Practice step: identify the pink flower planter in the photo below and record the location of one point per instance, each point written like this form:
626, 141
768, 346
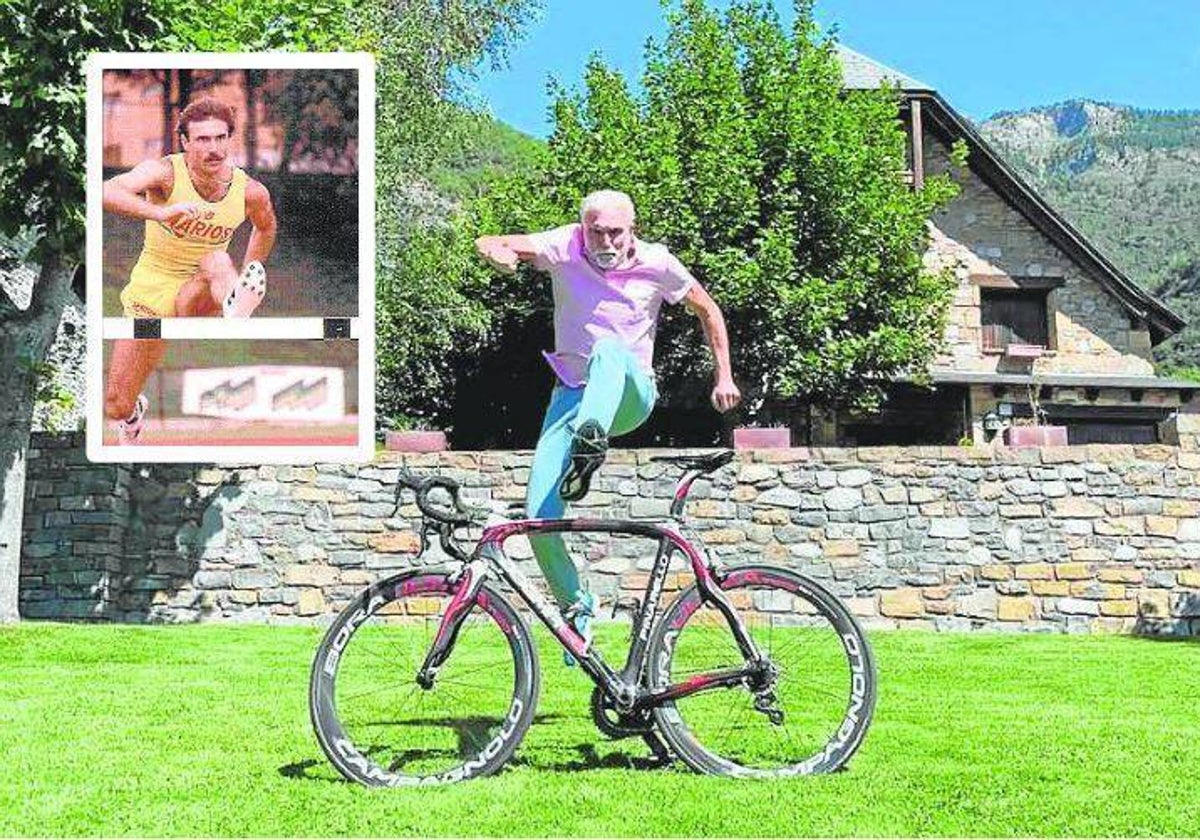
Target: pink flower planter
1018, 437
750, 437
415, 441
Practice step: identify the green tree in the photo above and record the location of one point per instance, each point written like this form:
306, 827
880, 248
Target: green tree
778, 188
1180, 355
42, 49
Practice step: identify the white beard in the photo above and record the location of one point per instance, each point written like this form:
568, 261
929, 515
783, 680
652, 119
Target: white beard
606, 259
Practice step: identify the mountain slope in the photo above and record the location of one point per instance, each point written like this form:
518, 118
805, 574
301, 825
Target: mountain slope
1129, 180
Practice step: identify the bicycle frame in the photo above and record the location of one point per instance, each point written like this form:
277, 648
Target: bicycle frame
625, 687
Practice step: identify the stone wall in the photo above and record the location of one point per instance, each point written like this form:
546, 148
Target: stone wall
76, 526
1080, 539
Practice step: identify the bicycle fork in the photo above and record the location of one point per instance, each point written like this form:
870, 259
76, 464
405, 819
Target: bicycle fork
470, 579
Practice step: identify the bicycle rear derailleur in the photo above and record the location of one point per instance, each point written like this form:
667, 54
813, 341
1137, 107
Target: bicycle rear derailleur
764, 701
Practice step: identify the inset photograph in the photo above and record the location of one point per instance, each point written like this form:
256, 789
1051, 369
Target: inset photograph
208, 172
230, 199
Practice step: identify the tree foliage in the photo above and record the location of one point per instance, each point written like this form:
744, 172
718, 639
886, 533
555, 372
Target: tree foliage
318, 110
779, 189
258, 25
42, 48
425, 51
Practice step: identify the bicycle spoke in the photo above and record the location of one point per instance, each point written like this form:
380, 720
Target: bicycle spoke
359, 695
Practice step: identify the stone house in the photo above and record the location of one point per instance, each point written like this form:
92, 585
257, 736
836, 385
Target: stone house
1038, 308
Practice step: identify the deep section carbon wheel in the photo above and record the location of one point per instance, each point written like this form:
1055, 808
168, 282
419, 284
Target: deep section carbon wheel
808, 706
378, 726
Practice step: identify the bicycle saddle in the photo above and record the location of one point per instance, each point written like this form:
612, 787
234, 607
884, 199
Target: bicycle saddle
704, 463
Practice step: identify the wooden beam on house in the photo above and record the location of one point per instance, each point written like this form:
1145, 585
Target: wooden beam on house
1006, 281
918, 145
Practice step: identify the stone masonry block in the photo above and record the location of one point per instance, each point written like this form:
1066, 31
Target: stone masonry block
902, 603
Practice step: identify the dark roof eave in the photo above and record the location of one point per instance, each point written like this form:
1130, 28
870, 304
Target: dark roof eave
1064, 380
1163, 322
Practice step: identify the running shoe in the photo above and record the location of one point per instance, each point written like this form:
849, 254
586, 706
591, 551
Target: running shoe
588, 449
247, 292
129, 429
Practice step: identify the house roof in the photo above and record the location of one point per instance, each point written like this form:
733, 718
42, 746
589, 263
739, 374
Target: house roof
860, 72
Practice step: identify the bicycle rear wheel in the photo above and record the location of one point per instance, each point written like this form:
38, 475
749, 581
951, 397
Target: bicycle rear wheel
380, 728
823, 685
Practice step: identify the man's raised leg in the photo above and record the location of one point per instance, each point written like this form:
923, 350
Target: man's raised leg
618, 398
217, 289
631, 403
201, 296
129, 368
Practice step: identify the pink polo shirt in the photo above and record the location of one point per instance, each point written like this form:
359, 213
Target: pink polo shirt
590, 304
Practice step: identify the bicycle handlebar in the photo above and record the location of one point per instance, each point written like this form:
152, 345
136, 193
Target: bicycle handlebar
423, 486
462, 514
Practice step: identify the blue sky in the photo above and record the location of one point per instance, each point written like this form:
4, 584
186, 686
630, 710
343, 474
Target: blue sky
983, 56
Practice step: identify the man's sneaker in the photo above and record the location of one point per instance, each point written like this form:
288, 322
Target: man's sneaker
588, 449
580, 614
247, 292
129, 429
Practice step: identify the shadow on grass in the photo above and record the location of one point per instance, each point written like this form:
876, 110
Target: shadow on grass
1185, 628
472, 734
590, 759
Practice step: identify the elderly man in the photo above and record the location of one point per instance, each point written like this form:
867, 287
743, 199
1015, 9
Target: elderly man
608, 286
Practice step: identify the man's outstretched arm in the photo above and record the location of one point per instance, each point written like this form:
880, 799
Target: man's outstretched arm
504, 252
123, 193
262, 215
725, 394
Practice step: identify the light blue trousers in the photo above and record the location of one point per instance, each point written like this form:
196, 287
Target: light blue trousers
618, 395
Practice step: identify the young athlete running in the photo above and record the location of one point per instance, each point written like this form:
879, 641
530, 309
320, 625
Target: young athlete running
608, 287
192, 203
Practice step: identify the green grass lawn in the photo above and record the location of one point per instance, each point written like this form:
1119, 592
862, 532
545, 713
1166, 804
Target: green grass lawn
204, 730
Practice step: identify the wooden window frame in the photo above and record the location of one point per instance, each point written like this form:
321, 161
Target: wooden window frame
1039, 296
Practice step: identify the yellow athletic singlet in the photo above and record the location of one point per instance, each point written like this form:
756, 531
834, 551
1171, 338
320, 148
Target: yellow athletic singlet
171, 254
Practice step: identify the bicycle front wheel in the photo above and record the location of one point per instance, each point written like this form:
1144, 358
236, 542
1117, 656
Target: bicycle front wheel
812, 711
380, 728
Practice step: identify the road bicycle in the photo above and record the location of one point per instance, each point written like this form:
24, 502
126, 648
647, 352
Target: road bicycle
432, 675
